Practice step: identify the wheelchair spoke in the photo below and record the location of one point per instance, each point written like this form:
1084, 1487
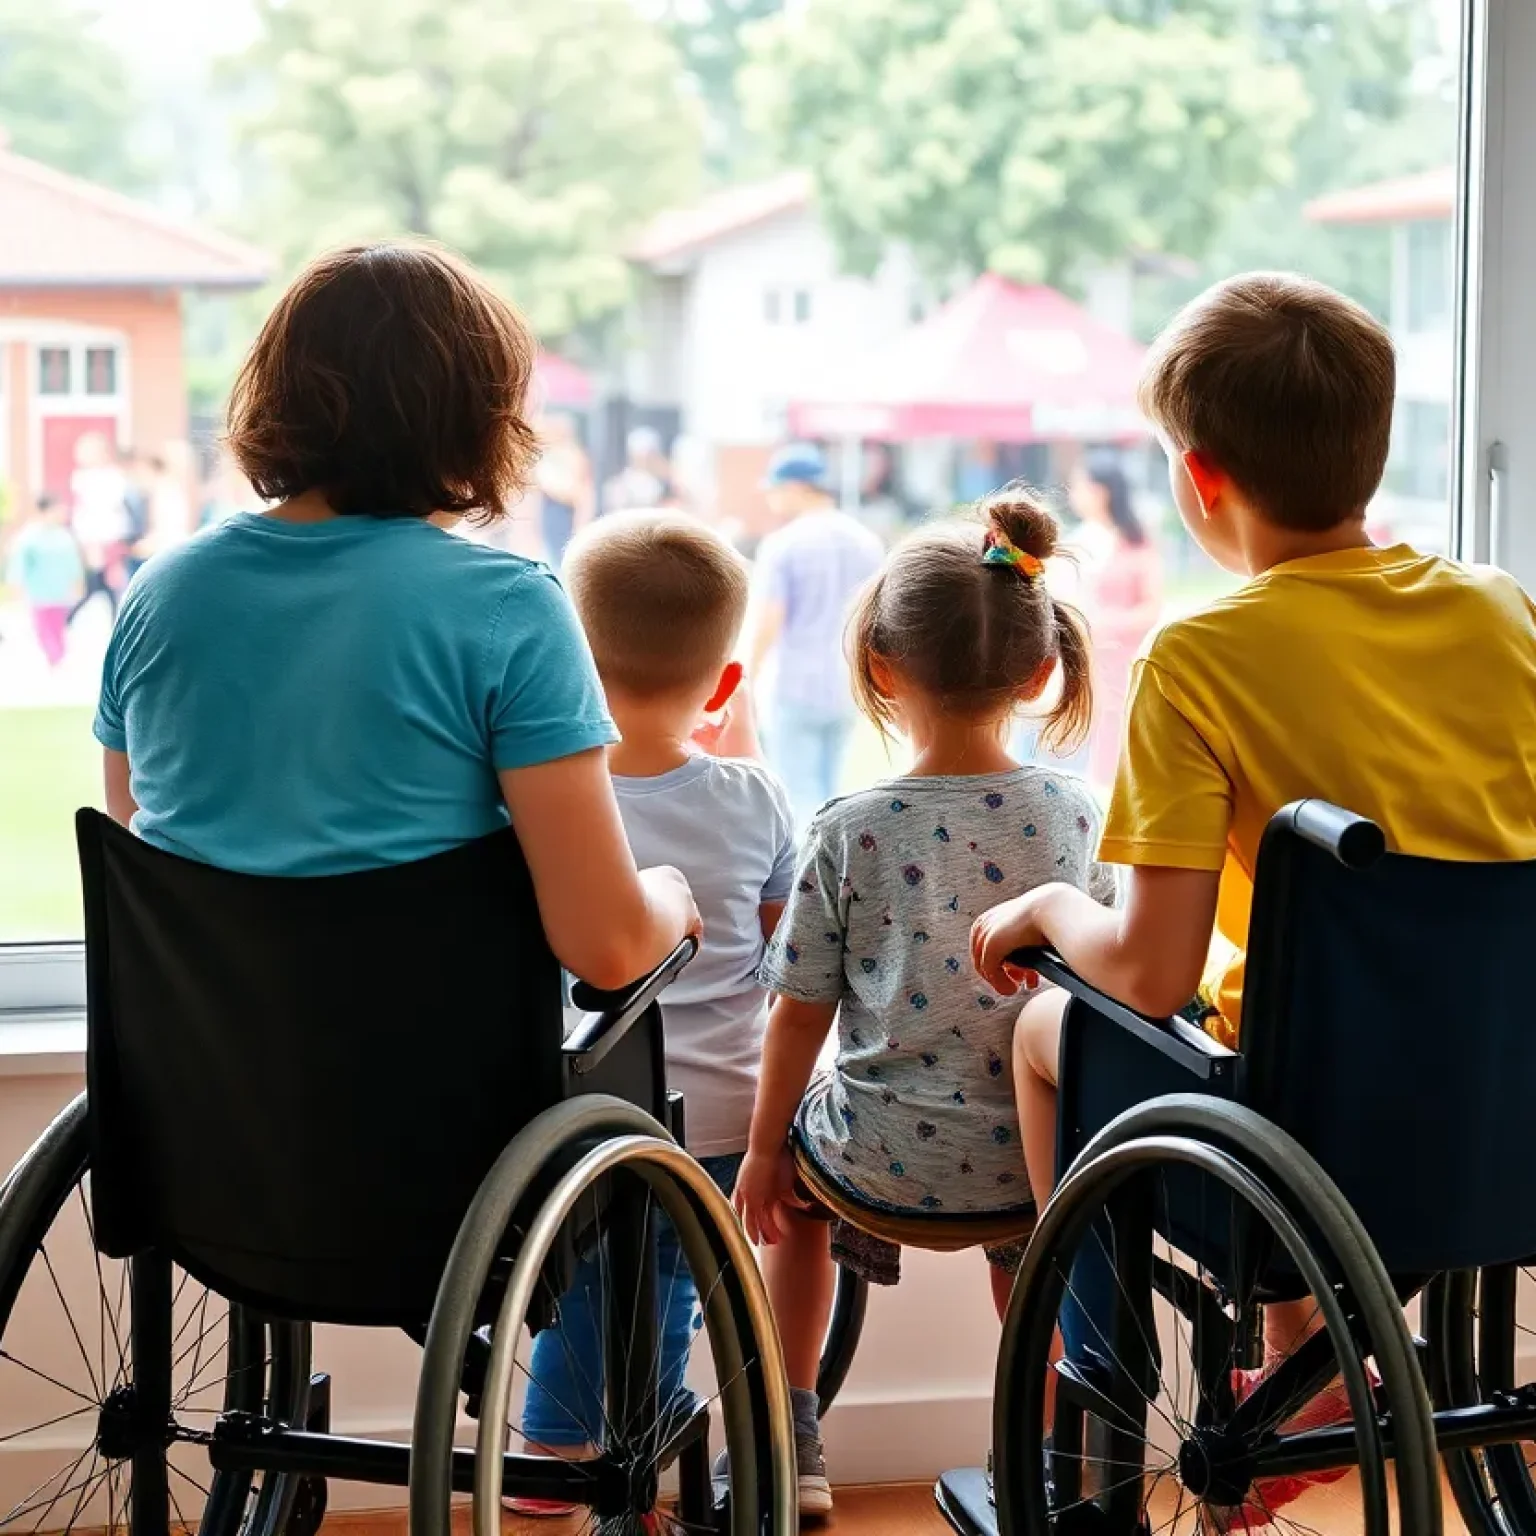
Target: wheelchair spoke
26, 1506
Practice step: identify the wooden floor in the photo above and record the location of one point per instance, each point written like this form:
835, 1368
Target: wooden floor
907, 1509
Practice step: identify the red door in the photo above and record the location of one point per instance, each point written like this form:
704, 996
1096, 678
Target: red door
60, 434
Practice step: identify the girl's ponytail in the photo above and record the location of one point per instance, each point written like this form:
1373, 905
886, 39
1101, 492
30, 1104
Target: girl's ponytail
1066, 727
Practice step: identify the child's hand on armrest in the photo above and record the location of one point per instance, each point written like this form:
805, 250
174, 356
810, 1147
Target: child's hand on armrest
765, 1181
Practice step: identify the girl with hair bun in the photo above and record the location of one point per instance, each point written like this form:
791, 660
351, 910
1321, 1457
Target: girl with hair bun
951, 639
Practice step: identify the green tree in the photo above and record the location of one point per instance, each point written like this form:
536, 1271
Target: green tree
534, 138
1023, 136
66, 97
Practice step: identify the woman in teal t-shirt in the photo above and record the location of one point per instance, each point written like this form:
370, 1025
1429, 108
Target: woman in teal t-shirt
340, 682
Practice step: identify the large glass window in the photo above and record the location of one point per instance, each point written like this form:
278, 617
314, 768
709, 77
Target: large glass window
668, 189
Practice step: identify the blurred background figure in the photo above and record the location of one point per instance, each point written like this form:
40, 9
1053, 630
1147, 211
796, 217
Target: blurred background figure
563, 479
98, 493
808, 571
46, 569
225, 492
646, 479
1122, 593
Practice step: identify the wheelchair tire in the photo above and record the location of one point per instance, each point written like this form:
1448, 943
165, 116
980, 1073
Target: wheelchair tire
1303, 1212
143, 1330
850, 1301
1473, 1331
593, 1144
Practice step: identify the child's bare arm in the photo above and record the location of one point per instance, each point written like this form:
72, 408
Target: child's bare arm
121, 806
768, 916
796, 1033
1150, 954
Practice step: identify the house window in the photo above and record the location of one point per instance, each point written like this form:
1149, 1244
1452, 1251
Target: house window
53, 370
787, 306
101, 370
1419, 465
1431, 275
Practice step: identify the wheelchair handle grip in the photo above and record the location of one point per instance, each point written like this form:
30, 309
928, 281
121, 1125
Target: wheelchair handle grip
1353, 840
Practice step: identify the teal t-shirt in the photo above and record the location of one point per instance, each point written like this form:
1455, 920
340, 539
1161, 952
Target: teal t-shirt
316, 698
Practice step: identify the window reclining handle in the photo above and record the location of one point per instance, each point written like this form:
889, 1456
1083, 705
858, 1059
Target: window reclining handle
610, 1014
1176, 1038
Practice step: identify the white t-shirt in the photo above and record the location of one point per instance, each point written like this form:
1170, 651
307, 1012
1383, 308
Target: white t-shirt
99, 493
726, 824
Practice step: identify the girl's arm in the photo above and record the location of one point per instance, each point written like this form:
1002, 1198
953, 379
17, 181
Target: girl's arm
796, 1033
607, 923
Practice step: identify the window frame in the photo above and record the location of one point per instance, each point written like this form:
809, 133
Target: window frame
1493, 504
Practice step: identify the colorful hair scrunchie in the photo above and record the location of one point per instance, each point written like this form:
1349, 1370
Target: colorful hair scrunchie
1001, 550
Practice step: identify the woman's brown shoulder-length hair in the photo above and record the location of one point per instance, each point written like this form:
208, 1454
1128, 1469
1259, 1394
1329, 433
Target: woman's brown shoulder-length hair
394, 380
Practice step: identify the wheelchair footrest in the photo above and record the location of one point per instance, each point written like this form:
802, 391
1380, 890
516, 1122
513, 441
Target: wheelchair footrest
964, 1498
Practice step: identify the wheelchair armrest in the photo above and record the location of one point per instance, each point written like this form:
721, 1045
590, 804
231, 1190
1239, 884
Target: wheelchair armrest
610, 1014
1176, 1038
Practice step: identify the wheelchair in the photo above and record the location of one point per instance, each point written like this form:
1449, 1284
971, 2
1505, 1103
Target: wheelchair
347, 1100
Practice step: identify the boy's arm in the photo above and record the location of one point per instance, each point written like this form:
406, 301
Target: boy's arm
1150, 954
768, 916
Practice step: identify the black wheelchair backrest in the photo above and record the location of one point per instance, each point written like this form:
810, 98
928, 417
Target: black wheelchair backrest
1389, 1024
296, 1085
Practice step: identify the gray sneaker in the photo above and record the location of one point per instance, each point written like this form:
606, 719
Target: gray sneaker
811, 1469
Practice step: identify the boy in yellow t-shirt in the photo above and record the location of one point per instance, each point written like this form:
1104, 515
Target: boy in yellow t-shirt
1399, 685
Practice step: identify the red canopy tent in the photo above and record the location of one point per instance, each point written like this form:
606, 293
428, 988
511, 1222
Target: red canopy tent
1003, 362
561, 383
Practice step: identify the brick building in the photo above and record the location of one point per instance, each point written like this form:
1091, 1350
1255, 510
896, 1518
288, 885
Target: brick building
90, 319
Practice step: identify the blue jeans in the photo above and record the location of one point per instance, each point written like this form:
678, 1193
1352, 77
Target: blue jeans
564, 1405
807, 749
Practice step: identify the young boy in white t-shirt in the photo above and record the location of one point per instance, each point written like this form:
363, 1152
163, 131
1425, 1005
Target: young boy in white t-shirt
662, 598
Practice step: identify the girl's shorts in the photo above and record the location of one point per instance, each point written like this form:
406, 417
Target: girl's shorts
879, 1262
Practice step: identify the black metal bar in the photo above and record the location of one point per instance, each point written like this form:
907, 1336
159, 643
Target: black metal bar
258, 1448
1456, 1429
149, 1499
1178, 1039
614, 1012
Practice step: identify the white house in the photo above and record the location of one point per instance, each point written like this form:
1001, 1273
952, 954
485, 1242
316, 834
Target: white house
1420, 213
740, 308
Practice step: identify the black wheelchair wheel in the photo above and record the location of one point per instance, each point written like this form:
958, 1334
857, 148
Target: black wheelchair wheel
113, 1373
1475, 1338
850, 1301
597, 1182
1154, 1425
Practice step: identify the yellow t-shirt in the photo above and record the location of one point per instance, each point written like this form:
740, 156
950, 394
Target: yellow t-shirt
1398, 685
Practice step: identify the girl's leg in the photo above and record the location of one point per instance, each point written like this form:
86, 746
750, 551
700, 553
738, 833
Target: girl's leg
1002, 1288
801, 1277
1036, 1047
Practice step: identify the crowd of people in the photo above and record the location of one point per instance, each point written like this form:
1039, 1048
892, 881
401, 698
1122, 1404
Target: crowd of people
76, 548
613, 727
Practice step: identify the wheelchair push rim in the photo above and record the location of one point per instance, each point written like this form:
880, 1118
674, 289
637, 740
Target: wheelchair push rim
1160, 1449
87, 1341
589, 1183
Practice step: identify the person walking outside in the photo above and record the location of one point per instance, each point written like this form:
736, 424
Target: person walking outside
808, 571
46, 568
1122, 595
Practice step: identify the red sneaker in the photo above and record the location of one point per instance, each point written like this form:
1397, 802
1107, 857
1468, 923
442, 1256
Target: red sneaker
1272, 1494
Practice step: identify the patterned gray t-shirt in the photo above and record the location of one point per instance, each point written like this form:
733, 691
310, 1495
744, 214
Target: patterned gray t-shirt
919, 1114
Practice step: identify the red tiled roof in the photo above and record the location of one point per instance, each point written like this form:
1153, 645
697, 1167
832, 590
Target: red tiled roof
57, 231
1426, 195
681, 231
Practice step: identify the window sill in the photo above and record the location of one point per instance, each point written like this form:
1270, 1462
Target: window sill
45, 1043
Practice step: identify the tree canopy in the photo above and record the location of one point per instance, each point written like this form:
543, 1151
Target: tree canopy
1035, 137
535, 138
66, 97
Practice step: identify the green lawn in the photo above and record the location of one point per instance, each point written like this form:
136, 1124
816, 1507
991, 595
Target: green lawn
49, 767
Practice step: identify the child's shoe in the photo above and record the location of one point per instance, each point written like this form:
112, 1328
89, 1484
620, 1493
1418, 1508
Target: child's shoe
810, 1459
1272, 1494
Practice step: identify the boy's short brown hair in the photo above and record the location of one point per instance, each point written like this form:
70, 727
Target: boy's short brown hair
393, 379
1287, 385
661, 597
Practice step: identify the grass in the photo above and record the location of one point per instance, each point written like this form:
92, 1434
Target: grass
49, 766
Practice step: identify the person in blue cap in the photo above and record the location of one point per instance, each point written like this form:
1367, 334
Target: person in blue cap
808, 572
